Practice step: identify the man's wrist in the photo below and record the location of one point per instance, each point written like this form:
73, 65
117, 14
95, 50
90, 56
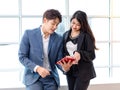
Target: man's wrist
35, 69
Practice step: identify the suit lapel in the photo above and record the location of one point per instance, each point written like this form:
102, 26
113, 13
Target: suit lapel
39, 40
51, 40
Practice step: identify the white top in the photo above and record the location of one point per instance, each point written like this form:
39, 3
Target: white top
71, 47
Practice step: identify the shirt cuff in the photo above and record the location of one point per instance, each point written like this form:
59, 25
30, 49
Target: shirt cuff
35, 69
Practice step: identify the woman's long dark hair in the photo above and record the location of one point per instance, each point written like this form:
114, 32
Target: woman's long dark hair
85, 27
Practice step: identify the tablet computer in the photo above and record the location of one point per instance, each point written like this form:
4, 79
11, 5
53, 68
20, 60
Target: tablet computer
66, 59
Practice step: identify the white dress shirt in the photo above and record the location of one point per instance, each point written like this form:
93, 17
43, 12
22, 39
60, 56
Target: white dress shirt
46, 63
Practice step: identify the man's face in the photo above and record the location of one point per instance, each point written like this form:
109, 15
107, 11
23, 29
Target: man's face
50, 25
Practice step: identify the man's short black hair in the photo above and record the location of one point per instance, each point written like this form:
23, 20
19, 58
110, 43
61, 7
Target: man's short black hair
52, 14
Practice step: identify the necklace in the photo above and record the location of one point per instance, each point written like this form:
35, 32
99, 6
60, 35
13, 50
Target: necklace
73, 37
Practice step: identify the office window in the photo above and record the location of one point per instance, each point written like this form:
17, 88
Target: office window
37, 7
116, 73
116, 5
91, 7
116, 52
116, 29
102, 55
9, 30
9, 7
16, 16
30, 23
100, 28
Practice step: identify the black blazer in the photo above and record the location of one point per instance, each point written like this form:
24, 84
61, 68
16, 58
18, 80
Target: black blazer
85, 68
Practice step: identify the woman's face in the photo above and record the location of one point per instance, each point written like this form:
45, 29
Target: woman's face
75, 25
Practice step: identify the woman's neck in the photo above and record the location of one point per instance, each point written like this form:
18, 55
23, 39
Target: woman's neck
74, 33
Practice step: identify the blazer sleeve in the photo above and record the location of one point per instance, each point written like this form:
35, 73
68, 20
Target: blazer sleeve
87, 50
23, 53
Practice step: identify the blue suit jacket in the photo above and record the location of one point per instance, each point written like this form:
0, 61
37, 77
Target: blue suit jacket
31, 54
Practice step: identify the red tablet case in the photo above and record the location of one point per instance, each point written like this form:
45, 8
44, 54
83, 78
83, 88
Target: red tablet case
66, 59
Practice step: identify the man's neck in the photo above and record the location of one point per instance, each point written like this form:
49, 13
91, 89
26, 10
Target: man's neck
45, 33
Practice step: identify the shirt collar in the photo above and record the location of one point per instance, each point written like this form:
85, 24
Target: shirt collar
43, 35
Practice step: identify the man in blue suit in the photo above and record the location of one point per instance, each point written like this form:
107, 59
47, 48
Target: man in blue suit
39, 51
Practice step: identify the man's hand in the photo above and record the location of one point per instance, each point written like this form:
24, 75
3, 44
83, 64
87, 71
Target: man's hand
42, 72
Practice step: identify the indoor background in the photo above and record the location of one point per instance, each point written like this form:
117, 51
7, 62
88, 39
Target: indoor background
18, 15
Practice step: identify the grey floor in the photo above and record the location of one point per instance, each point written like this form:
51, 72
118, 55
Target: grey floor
62, 88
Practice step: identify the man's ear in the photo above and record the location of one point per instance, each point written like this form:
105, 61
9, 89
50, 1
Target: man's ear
44, 20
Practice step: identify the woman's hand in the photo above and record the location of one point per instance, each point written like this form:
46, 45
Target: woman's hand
77, 57
65, 65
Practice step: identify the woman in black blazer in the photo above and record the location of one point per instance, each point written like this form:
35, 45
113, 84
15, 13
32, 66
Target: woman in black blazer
79, 43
